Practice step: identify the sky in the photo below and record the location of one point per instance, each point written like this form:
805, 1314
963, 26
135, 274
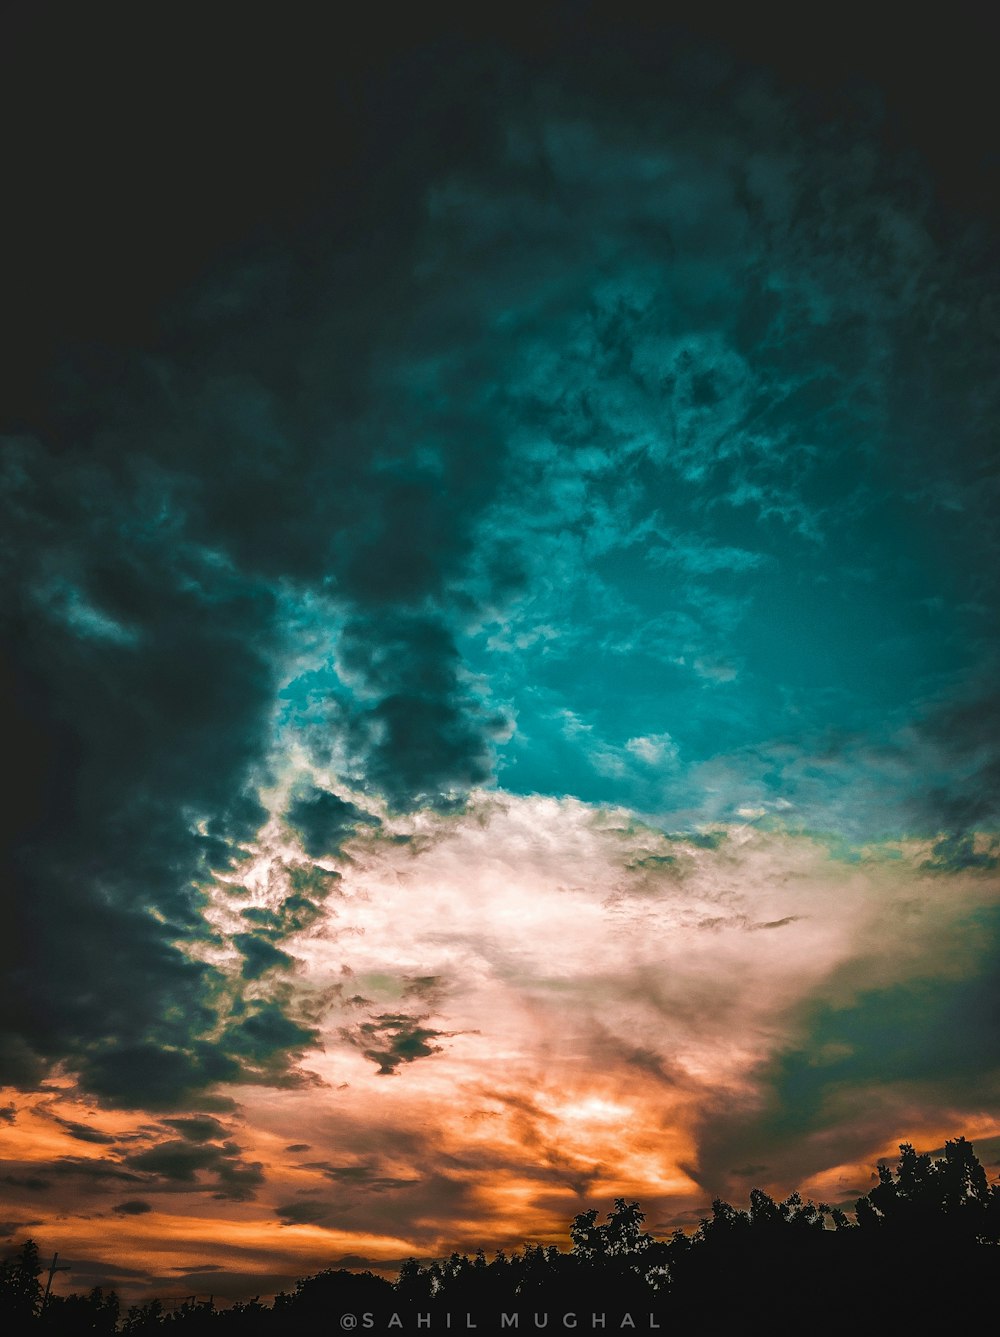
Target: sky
499, 647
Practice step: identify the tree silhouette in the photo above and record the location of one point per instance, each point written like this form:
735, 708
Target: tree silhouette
20, 1289
923, 1244
949, 1197
143, 1318
621, 1235
96, 1312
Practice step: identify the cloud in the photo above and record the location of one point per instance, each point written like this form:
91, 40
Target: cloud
259, 955
263, 1039
99, 1272
392, 1039
907, 1054
33, 1182
238, 1180
91, 714
163, 540
181, 1162
653, 749
306, 1212
199, 1128
83, 1132
151, 1076
323, 820
97, 1171
133, 1207
365, 1176
419, 736
160, 563
953, 853
429, 989
962, 793
176, 1160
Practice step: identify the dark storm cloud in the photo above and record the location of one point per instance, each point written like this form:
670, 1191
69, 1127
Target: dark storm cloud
181, 1162
309, 880
141, 718
176, 1160
323, 821
147, 1075
82, 1132
392, 1039
98, 1272
955, 854
429, 989
197, 1128
307, 1213
223, 1284
424, 739
366, 1176
237, 1180
32, 1182
356, 1261
938, 775
294, 913
98, 1172
647, 1060
963, 737
938, 1032
263, 1038
138, 706
259, 955
132, 1207
156, 513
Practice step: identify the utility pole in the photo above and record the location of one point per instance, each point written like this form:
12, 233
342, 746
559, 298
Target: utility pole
53, 1269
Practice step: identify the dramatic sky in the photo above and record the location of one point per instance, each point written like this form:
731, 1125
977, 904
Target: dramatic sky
500, 553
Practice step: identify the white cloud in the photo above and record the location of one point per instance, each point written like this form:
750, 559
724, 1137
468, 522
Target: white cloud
653, 749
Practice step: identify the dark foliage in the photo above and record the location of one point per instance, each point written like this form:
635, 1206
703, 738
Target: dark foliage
921, 1255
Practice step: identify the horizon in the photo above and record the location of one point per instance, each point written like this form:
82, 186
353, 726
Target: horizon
620, 1238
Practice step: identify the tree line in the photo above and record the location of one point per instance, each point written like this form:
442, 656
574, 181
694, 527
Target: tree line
922, 1250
